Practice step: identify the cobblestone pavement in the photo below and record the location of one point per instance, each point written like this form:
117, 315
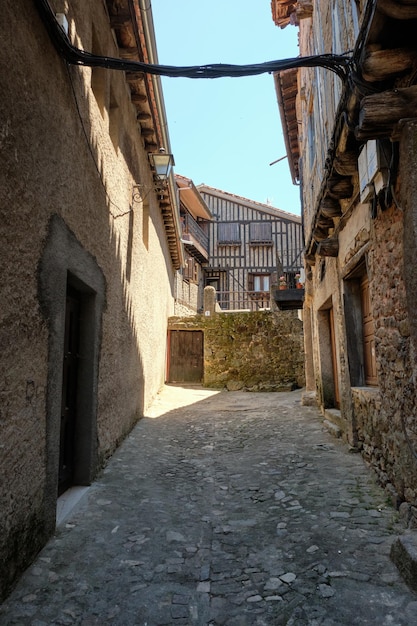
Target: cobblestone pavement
236, 509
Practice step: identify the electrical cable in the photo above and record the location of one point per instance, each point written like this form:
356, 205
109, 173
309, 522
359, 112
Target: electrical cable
339, 64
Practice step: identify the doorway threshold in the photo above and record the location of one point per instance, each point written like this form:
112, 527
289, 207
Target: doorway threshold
67, 503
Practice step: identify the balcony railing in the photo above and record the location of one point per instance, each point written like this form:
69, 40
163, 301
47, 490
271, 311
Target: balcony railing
193, 235
243, 300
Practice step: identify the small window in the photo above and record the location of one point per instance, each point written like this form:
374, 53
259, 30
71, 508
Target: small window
260, 233
191, 270
360, 329
259, 282
228, 233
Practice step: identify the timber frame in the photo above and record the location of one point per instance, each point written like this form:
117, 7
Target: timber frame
380, 92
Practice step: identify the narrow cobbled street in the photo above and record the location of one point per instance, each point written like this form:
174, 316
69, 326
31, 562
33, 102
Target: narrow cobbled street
235, 509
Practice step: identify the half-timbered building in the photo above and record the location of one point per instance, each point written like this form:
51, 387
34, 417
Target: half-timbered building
194, 218
252, 248
354, 149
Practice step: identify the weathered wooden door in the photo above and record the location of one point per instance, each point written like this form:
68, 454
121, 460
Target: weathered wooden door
334, 359
185, 364
368, 334
69, 392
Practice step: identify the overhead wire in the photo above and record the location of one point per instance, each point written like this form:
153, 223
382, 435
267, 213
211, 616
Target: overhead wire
337, 63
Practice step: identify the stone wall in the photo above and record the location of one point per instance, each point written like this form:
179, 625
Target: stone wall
394, 417
257, 351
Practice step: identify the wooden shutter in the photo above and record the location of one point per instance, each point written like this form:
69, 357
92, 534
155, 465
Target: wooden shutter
368, 334
260, 232
228, 232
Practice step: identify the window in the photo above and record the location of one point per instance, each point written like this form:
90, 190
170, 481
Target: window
360, 329
228, 233
191, 269
258, 282
260, 233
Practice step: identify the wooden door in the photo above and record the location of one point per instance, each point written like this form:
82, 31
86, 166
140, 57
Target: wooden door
368, 334
69, 392
334, 359
185, 356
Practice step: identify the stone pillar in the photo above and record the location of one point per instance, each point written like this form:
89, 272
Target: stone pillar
209, 301
408, 202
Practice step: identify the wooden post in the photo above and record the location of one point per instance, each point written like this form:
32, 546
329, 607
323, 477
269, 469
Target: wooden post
380, 112
209, 301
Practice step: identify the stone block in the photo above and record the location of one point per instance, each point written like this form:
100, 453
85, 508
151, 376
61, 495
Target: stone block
404, 556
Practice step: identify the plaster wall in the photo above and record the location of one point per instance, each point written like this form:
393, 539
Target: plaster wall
60, 166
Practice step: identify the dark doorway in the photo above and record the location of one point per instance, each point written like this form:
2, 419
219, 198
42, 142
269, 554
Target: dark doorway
69, 391
185, 356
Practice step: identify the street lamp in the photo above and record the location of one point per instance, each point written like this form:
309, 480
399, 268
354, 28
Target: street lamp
161, 162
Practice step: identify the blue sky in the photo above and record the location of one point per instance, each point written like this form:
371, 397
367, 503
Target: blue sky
225, 132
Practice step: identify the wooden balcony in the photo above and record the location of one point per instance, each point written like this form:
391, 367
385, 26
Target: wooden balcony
288, 299
195, 240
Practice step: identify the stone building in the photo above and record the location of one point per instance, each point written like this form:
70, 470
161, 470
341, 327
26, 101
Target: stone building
251, 247
88, 256
194, 216
354, 149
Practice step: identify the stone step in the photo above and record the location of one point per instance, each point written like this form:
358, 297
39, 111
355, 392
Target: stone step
404, 556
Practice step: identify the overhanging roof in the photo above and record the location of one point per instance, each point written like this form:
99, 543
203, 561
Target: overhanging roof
252, 204
190, 197
286, 86
133, 26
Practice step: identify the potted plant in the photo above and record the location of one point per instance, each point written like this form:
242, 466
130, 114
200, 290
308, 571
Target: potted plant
298, 284
282, 282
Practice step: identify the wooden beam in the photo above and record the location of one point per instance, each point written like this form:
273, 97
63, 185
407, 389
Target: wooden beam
143, 116
398, 9
325, 222
129, 54
339, 187
385, 64
328, 247
330, 207
147, 132
319, 234
134, 77
138, 98
346, 163
381, 111
120, 20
